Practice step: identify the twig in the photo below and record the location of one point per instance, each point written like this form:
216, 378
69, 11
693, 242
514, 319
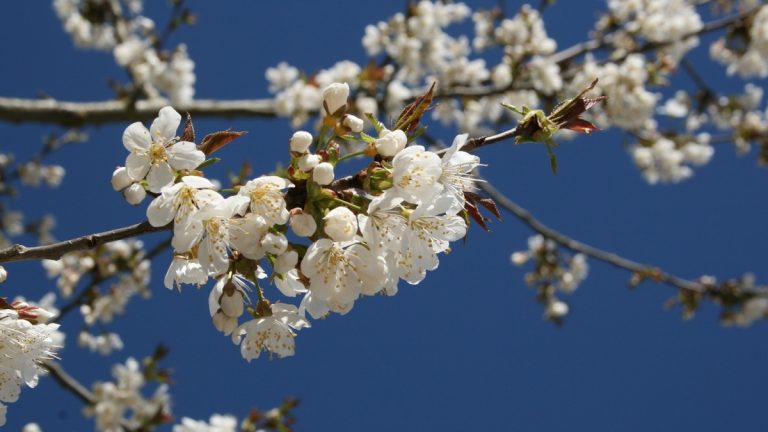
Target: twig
97, 279
608, 257
69, 383
56, 250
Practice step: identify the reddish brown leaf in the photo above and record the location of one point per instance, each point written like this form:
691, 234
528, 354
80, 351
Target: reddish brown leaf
216, 140
189, 130
581, 125
409, 119
475, 215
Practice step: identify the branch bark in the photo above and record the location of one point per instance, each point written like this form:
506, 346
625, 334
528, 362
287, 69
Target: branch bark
96, 113
54, 251
608, 257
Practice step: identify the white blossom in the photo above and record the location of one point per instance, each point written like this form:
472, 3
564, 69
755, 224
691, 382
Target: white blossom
156, 153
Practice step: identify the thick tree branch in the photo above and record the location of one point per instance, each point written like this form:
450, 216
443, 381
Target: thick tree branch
56, 250
526, 217
96, 113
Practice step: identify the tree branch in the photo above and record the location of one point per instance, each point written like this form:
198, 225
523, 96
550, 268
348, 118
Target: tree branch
56, 250
68, 382
608, 257
96, 113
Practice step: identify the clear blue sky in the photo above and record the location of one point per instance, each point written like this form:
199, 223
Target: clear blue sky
465, 350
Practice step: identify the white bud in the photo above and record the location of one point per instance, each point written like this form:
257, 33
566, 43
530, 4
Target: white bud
302, 224
308, 162
135, 194
224, 323
286, 262
300, 142
390, 142
3, 274
519, 258
340, 224
557, 309
120, 179
323, 174
354, 124
232, 305
274, 243
53, 175
335, 96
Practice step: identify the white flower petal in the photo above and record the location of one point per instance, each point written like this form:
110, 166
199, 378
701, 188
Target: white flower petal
136, 137
137, 166
160, 176
185, 155
165, 125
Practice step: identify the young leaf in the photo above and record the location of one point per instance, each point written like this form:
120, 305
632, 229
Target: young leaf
216, 140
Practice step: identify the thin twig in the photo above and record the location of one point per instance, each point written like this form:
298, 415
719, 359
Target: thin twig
69, 383
608, 257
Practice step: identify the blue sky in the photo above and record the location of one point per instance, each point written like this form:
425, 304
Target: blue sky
465, 350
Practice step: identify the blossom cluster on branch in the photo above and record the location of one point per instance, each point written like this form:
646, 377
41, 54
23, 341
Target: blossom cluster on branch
324, 239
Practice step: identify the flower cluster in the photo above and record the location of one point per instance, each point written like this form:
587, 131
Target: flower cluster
665, 160
26, 340
136, 46
745, 52
366, 232
553, 271
120, 404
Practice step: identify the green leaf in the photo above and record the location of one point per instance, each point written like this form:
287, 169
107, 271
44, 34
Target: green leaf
208, 162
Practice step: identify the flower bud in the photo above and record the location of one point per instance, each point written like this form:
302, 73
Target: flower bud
286, 262
302, 224
3, 274
520, 257
120, 179
323, 174
135, 194
224, 323
308, 162
557, 309
340, 224
335, 96
274, 243
300, 142
232, 305
390, 142
354, 124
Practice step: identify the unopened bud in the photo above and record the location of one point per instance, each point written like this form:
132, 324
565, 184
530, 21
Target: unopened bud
300, 142
308, 162
232, 304
519, 258
224, 323
354, 124
390, 142
135, 194
340, 224
323, 174
557, 309
335, 96
302, 224
120, 179
274, 243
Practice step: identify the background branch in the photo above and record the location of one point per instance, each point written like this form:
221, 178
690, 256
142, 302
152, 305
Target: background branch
608, 257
